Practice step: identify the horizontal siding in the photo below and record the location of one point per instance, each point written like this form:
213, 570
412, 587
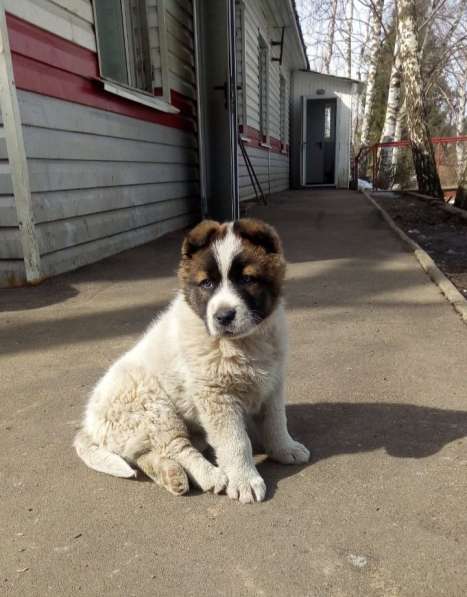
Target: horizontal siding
272, 170
259, 20
51, 113
77, 256
12, 273
102, 182
70, 19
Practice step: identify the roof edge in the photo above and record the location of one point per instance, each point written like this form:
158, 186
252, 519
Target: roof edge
298, 26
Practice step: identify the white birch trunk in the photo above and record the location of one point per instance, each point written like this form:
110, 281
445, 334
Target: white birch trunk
349, 13
419, 134
460, 119
374, 47
386, 174
330, 45
396, 152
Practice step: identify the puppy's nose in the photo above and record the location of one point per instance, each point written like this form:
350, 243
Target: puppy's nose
225, 315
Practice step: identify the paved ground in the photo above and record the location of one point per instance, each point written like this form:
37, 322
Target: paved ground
377, 390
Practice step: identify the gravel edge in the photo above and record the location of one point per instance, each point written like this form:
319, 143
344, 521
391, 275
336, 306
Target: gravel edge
428, 265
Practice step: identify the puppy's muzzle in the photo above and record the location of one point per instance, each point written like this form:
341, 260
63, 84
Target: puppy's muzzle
224, 316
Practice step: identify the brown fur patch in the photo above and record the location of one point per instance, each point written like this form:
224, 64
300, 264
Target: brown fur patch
261, 258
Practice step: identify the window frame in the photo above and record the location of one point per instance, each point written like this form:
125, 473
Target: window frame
283, 111
129, 91
263, 103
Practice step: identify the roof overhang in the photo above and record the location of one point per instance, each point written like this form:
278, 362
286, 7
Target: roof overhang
285, 15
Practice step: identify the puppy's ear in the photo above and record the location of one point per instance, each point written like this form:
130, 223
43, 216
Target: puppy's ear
200, 237
260, 234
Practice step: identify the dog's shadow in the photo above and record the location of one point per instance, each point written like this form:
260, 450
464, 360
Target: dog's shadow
333, 429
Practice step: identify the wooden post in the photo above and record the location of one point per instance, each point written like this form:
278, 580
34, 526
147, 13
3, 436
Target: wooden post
17, 156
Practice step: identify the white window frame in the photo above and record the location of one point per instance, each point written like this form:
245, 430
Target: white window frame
133, 93
283, 111
240, 5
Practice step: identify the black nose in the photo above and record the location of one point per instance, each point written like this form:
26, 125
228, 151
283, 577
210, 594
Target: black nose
225, 316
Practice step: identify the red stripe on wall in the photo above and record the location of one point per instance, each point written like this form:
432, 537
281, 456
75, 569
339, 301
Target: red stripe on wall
43, 46
256, 140
47, 64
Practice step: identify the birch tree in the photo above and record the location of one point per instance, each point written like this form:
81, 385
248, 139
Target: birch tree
376, 16
386, 173
419, 135
349, 19
331, 37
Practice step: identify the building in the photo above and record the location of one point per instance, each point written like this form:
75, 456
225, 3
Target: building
122, 121
322, 108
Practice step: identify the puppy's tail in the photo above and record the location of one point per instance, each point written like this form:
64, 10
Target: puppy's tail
99, 458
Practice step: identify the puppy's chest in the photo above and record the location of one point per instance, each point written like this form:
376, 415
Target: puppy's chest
248, 377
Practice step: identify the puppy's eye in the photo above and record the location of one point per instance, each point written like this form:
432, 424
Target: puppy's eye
207, 284
247, 279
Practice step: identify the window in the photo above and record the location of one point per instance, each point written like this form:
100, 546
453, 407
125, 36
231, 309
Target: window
263, 63
123, 40
327, 121
283, 111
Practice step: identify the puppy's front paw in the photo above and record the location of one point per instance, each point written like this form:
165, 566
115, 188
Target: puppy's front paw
246, 487
211, 479
215, 480
291, 453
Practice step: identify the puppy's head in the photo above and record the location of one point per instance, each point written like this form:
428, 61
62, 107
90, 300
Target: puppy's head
232, 274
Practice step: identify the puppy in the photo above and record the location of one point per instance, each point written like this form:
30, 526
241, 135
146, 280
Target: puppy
213, 362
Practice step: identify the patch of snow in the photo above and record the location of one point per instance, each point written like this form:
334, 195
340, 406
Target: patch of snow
364, 185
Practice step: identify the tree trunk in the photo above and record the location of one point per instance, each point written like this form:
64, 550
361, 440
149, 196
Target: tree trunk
332, 32
419, 135
349, 11
461, 194
386, 174
374, 47
460, 118
396, 153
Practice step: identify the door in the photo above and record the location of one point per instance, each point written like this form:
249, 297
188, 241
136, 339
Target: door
320, 146
218, 100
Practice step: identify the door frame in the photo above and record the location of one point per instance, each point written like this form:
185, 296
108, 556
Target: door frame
305, 99
203, 150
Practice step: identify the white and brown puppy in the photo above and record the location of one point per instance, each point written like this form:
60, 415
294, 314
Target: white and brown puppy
213, 362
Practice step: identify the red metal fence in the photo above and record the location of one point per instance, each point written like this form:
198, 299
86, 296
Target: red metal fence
378, 164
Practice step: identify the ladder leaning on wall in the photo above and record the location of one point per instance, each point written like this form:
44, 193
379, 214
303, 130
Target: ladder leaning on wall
251, 173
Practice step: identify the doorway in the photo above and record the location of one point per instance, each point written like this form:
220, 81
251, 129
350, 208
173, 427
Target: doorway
217, 108
320, 141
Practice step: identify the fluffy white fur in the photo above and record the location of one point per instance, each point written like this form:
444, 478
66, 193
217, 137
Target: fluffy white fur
180, 379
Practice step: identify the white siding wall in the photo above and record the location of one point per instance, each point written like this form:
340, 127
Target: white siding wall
70, 19
272, 168
102, 182
306, 84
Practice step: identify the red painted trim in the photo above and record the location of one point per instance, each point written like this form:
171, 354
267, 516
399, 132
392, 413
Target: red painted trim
43, 46
256, 139
47, 64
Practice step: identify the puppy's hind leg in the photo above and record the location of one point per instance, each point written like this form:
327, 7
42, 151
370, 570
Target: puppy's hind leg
170, 438
164, 471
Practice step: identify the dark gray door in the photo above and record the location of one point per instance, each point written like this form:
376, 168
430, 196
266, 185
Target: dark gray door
320, 156
216, 23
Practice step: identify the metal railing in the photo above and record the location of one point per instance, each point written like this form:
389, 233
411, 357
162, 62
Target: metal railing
379, 165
